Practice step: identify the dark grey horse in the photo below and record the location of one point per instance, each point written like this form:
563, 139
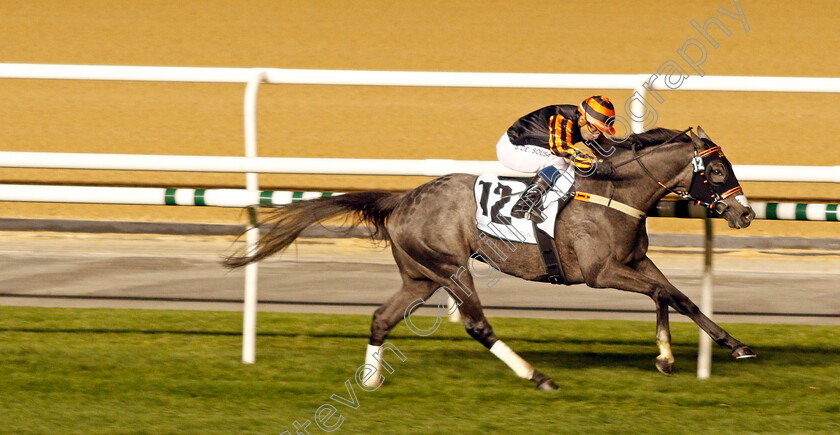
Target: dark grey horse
432, 233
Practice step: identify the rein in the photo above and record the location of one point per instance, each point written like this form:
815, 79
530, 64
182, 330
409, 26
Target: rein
697, 162
656, 147
624, 208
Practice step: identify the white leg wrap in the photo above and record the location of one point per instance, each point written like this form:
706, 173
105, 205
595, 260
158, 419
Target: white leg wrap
373, 380
514, 361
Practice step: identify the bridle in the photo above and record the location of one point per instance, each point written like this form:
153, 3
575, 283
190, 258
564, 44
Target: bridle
701, 190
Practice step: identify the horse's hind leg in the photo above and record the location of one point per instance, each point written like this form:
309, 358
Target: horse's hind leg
479, 328
389, 315
446, 272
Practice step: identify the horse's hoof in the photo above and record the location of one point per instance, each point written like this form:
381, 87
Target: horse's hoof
743, 352
544, 383
665, 367
547, 385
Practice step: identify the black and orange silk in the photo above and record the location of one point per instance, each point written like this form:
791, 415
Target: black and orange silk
556, 128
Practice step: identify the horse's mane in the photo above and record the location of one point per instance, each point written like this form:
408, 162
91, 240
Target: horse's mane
652, 137
657, 136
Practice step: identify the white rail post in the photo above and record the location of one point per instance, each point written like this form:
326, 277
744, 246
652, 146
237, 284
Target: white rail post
636, 106
249, 311
452, 307
704, 352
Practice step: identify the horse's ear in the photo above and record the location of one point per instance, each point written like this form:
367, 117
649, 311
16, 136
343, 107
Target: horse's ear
698, 143
702, 133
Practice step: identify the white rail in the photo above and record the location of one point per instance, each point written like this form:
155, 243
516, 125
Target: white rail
412, 78
295, 165
265, 165
240, 198
237, 198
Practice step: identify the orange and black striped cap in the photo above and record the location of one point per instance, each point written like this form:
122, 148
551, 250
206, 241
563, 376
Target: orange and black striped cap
598, 111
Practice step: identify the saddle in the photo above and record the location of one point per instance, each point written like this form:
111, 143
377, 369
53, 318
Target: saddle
495, 197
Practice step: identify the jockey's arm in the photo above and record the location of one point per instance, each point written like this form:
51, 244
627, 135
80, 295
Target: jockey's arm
561, 143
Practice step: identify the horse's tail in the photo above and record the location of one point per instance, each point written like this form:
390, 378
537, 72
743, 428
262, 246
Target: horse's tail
289, 221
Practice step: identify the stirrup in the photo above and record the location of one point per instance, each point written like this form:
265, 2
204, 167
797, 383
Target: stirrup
530, 204
518, 212
535, 213
522, 207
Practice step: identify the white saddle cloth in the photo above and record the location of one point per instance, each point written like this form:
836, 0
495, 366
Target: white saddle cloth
494, 199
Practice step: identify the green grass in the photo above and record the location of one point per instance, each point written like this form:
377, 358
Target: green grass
143, 371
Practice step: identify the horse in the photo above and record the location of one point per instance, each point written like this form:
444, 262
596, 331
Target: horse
432, 233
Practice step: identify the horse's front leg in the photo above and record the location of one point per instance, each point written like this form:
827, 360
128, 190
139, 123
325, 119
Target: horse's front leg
613, 274
685, 306
621, 277
665, 360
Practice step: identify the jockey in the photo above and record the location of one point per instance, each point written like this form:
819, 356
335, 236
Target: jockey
544, 141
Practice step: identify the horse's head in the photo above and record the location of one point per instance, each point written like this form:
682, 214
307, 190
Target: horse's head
714, 182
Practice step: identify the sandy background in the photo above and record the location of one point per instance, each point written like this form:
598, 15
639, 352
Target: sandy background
792, 38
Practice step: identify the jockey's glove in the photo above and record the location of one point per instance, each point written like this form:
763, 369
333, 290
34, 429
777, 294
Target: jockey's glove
604, 169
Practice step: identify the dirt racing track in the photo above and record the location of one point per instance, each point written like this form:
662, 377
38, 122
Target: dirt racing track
352, 276
394, 122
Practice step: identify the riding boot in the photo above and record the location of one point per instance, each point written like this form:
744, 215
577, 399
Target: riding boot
531, 202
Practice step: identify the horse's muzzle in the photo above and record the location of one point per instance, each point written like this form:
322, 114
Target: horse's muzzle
743, 220
747, 218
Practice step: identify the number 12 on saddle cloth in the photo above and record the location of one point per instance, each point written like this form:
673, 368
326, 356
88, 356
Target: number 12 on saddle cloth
494, 199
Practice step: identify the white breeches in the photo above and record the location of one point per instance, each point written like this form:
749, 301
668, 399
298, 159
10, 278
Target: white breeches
531, 158
527, 158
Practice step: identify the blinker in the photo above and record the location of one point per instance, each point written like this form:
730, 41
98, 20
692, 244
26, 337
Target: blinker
704, 192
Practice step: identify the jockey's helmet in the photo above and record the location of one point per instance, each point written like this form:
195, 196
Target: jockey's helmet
598, 111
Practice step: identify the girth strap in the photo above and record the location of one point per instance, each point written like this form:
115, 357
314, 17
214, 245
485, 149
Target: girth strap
609, 202
548, 252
